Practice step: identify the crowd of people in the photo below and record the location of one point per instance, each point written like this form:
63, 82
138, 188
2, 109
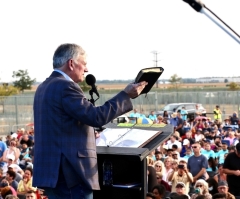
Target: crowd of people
201, 159
16, 166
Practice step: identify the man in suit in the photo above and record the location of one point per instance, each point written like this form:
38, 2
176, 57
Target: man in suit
65, 160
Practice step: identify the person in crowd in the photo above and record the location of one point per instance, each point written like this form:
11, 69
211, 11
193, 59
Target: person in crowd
31, 195
199, 124
10, 176
175, 154
217, 113
173, 140
220, 154
220, 176
231, 167
189, 153
197, 164
74, 116
134, 113
18, 171
180, 173
159, 191
162, 182
234, 119
159, 166
12, 149
181, 189
10, 196
198, 136
25, 184
212, 186
152, 179
231, 137
168, 166
186, 145
166, 117
159, 156
208, 152
184, 113
26, 140
160, 120
152, 116
141, 114
201, 188
212, 166
180, 121
150, 195
223, 188
219, 196
24, 155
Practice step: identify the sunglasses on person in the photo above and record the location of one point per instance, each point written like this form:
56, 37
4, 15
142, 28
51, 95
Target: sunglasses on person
158, 166
199, 185
174, 154
194, 147
12, 144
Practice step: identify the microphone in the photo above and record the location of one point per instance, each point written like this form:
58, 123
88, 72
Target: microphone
91, 80
196, 5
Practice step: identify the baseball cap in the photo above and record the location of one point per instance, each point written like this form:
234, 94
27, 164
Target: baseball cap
185, 142
180, 184
223, 183
11, 157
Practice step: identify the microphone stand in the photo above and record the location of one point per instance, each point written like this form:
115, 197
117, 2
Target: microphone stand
199, 7
92, 100
96, 129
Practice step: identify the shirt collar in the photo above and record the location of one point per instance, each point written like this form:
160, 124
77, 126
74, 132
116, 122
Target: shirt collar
64, 75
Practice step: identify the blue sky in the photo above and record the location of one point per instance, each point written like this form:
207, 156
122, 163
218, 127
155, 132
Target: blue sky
119, 37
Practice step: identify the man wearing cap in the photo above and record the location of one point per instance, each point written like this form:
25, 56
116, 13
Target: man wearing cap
181, 174
181, 190
223, 188
186, 145
231, 167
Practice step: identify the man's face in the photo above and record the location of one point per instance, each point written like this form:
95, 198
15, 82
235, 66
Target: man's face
223, 189
30, 196
78, 68
158, 156
196, 148
172, 138
180, 189
224, 146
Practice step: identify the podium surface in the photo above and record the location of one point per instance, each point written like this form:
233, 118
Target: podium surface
129, 167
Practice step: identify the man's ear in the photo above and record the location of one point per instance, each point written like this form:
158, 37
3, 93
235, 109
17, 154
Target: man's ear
70, 64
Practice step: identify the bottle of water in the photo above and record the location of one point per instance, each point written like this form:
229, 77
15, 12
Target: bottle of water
107, 173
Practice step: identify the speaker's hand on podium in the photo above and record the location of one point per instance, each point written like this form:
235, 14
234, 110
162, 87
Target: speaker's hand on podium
133, 90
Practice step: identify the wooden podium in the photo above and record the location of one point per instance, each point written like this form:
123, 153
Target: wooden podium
129, 168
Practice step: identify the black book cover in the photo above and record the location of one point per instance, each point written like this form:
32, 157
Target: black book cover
149, 75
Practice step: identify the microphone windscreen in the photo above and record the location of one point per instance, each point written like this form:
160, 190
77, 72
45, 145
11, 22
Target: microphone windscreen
90, 80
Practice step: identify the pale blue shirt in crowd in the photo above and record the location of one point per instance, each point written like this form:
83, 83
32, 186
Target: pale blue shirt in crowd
152, 117
64, 75
208, 154
220, 155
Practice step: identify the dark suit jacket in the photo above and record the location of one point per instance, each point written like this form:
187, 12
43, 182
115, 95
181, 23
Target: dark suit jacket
64, 134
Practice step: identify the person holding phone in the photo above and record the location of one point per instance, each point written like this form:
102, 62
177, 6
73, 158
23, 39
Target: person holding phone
180, 174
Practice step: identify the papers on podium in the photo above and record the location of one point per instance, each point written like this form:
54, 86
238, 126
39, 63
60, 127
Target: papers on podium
126, 137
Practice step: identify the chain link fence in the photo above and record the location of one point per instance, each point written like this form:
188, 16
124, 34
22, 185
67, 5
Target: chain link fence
17, 111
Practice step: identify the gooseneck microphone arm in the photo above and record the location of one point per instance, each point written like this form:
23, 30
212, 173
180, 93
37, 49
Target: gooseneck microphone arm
199, 7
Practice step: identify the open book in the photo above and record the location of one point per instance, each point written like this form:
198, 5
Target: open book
126, 137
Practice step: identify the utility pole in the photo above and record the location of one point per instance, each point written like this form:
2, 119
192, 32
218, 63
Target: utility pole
155, 53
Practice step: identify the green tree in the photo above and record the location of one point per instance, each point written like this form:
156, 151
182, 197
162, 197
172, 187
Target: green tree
23, 81
233, 86
6, 90
84, 86
175, 81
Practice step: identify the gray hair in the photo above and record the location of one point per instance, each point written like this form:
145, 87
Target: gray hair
65, 52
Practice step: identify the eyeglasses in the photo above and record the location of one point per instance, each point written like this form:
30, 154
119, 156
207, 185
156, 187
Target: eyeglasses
194, 147
199, 185
157, 166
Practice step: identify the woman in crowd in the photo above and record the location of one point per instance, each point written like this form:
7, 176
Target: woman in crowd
212, 186
160, 120
220, 176
212, 167
168, 168
159, 166
12, 149
201, 188
159, 191
162, 182
25, 184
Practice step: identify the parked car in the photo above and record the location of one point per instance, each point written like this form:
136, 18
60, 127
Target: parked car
189, 107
